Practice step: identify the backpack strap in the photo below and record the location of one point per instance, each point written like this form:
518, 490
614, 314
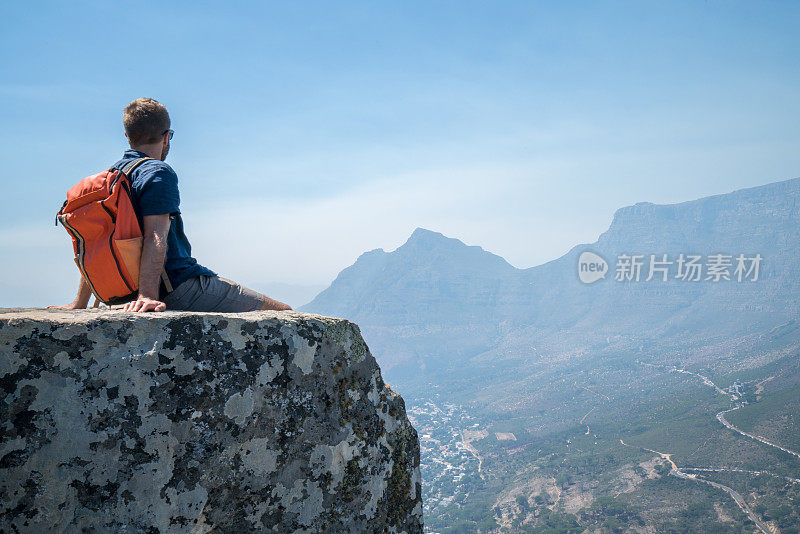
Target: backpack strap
165, 281
129, 167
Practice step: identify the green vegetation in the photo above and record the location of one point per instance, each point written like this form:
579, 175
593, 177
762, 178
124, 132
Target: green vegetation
776, 416
563, 475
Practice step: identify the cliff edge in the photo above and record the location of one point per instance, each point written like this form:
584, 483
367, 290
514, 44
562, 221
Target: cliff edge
190, 422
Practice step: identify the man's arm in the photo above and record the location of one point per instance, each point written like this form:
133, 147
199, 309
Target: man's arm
154, 251
81, 299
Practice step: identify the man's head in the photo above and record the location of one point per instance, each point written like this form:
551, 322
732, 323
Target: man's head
146, 123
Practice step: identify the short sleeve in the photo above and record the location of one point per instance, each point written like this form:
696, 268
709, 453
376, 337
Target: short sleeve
159, 193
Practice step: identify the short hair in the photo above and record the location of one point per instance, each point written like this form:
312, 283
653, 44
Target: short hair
145, 121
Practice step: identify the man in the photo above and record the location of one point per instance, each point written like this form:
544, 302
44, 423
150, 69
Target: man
154, 187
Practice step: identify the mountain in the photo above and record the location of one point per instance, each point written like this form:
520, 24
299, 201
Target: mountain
436, 304
542, 400
433, 291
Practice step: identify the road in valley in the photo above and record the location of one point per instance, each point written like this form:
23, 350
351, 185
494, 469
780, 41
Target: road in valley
737, 470
721, 415
737, 497
728, 424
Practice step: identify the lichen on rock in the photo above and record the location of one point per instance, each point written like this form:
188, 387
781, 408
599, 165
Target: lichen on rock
189, 422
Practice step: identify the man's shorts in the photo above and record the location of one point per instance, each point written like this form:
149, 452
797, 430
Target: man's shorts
213, 294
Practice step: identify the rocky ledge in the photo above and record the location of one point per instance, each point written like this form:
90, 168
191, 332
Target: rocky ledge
190, 422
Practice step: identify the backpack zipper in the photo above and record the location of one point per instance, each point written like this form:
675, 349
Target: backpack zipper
79, 238
64, 205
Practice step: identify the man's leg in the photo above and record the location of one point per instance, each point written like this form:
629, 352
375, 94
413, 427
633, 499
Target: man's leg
215, 294
272, 304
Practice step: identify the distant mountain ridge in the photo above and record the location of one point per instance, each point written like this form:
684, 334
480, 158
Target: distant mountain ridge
436, 304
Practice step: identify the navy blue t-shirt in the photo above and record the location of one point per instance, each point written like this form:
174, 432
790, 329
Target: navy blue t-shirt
155, 192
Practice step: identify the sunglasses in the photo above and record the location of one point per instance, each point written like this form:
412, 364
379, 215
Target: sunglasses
171, 133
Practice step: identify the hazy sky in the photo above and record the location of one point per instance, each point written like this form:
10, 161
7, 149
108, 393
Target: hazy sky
309, 132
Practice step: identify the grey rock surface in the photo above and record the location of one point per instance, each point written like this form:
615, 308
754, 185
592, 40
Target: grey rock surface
187, 422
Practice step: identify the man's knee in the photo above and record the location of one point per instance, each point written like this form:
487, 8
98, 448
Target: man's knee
271, 304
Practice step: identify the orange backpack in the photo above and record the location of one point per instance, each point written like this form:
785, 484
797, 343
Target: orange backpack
106, 233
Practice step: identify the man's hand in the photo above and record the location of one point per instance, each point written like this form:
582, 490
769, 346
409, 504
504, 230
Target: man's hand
144, 304
81, 300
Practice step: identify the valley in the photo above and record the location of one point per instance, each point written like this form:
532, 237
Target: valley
571, 481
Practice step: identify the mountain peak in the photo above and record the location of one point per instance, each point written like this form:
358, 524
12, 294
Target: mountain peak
427, 246
425, 264
423, 235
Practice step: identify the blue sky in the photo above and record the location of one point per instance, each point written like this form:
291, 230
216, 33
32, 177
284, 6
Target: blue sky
309, 132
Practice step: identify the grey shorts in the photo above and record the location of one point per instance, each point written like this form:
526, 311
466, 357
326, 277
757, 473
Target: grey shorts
213, 294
